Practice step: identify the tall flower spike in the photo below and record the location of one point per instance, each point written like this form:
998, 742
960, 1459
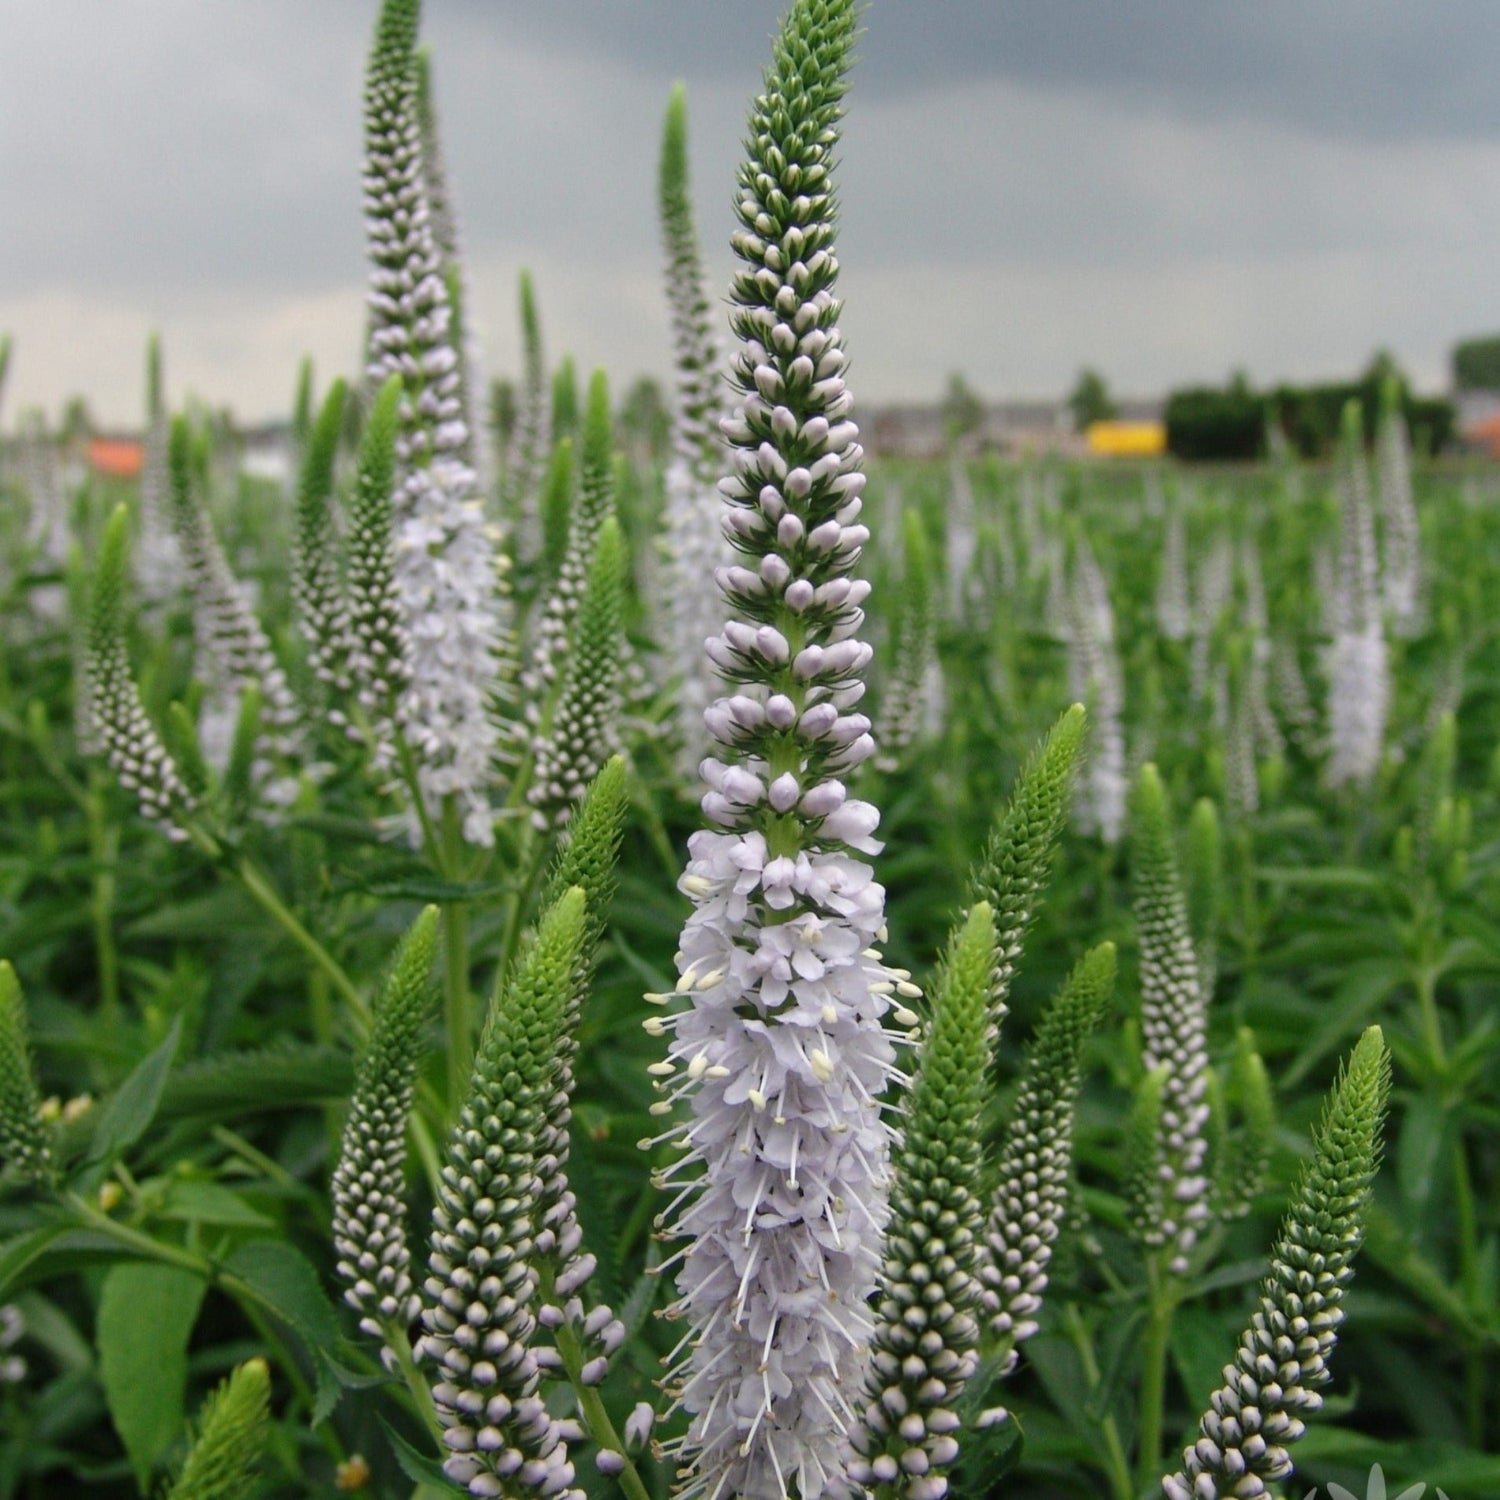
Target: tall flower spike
1358, 676
1012, 874
587, 860
444, 215
1401, 535
692, 539
595, 503
581, 732
379, 653
531, 438
1031, 1191
1174, 1024
1173, 616
926, 1329
23, 1137
316, 585
120, 725
1203, 886
479, 1297
1095, 677
368, 1188
235, 648
784, 1052
915, 678
447, 577
158, 563
231, 1438
1282, 1360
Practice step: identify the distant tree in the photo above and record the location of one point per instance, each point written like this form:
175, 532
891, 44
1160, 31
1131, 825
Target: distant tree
1476, 364
963, 411
1090, 401
77, 419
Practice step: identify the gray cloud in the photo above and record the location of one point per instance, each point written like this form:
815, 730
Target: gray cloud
1166, 190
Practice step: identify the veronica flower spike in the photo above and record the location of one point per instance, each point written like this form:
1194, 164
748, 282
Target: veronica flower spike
446, 572
783, 1054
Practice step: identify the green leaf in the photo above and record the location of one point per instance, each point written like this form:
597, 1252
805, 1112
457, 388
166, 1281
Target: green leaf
195, 1202
418, 1467
21, 1250
285, 1282
132, 1107
146, 1316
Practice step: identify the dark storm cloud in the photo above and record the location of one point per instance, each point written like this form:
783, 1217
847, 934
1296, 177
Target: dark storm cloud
1364, 69
1164, 188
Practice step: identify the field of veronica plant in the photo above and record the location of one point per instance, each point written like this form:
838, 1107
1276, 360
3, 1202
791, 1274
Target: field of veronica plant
532, 969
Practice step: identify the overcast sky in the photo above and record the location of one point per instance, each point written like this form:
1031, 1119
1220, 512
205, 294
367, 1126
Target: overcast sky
1166, 190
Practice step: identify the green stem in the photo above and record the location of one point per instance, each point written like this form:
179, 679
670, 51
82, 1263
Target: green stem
1116, 1467
409, 775
104, 848
264, 894
1432, 1030
595, 1418
1471, 1279
398, 1342
458, 1008
1153, 1379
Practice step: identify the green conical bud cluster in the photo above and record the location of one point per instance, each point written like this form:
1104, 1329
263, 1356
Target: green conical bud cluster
531, 439
1282, 1359
583, 727
595, 502
118, 718
699, 397
479, 1295
1243, 1149
1013, 872
914, 689
317, 587
557, 507
231, 1438
378, 656
1203, 883
1173, 1029
24, 1151
368, 1188
926, 1329
1031, 1192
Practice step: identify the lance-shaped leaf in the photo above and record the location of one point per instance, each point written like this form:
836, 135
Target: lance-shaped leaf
926, 1325
1282, 1360
1031, 1193
368, 1188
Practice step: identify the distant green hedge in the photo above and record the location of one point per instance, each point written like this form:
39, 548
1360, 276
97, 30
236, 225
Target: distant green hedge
1476, 364
1231, 425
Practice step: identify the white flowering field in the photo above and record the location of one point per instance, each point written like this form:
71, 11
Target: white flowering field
545, 957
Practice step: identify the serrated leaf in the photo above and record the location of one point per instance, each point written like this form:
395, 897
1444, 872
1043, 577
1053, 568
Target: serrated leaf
146, 1317
284, 1280
418, 1467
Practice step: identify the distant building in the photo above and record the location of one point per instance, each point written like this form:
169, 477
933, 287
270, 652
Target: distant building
1116, 439
115, 457
1014, 429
